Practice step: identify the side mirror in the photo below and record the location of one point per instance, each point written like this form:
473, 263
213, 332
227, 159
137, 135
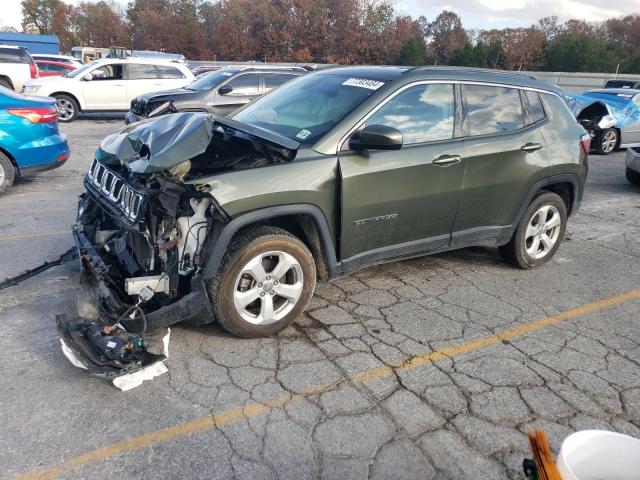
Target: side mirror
376, 137
87, 77
226, 89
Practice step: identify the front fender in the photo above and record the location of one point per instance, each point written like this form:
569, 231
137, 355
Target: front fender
221, 244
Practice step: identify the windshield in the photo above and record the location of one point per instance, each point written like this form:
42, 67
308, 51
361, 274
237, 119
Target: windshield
210, 80
307, 108
79, 72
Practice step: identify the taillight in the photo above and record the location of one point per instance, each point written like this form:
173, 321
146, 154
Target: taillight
35, 115
33, 69
585, 141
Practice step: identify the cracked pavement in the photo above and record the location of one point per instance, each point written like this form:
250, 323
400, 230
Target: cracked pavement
317, 401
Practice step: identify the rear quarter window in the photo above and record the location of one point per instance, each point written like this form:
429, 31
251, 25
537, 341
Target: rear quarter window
169, 72
536, 110
492, 110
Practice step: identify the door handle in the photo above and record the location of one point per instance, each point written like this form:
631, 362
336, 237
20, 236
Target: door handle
446, 160
118, 84
530, 147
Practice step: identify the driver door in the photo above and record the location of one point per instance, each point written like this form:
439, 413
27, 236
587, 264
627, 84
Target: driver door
106, 90
399, 202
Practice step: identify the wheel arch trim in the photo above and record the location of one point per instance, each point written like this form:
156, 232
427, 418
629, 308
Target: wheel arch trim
570, 178
221, 244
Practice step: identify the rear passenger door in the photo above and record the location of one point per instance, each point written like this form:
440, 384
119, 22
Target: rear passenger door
142, 78
505, 154
244, 88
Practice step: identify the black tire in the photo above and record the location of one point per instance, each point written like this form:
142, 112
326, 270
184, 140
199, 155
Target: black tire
7, 173
607, 141
248, 246
6, 83
633, 176
68, 108
515, 252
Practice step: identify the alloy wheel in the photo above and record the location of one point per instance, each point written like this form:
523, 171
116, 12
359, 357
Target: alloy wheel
543, 232
268, 287
2, 175
65, 109
609, 141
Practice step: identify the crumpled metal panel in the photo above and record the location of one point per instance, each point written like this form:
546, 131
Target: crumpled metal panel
158, 143
623, 111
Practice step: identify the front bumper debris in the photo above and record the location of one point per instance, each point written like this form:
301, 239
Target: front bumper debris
86, 354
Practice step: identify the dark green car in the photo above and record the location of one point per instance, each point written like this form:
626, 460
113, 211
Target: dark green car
193, 217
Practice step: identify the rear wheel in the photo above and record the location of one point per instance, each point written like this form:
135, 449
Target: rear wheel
633, 176
539, 233
68, 108
606, 141
264, 283
7, 173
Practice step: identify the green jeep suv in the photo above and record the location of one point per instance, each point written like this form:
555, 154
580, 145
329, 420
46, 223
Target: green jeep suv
194, 217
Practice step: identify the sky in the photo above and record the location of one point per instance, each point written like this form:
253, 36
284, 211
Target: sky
482, 14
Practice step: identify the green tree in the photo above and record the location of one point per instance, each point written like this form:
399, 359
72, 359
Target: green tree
39, 14
414, 52
581, 53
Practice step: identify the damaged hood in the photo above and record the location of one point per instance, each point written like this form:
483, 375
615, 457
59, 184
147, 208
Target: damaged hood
165, 94
622, 111
159, 143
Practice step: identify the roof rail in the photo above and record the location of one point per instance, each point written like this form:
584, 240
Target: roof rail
472, 69
265, 67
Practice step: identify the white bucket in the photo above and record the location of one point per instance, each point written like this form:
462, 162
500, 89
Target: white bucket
599, 455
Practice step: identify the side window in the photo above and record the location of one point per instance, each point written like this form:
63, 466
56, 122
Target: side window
108, 72
10, 55
169, 72
57, 69
141, 71
536, 110
246, 84
424, 113
492, 109
273, 80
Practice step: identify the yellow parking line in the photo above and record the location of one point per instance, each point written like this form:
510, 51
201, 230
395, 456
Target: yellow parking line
229, 416
34, 235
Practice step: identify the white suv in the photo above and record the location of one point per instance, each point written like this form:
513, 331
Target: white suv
109, 84
16, 67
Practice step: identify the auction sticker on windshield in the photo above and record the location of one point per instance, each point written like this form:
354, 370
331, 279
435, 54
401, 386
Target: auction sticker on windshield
363, 83
304, 133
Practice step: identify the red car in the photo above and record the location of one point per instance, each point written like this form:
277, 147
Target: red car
48, 68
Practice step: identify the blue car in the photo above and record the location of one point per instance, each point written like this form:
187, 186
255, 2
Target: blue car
30, 141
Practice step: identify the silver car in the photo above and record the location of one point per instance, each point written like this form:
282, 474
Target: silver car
633, 165
613, 119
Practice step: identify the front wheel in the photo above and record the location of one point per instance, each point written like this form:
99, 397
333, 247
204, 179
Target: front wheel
68, 108
539, 233
633, 176
606, 141
264, 283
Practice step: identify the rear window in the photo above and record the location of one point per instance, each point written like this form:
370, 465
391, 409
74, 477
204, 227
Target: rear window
13, 55
492, 109
169, 72
141, 71
536, 110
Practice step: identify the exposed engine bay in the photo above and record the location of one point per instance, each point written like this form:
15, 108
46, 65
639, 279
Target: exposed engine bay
144, 230
595, 118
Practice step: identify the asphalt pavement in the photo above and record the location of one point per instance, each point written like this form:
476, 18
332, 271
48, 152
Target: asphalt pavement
434, 367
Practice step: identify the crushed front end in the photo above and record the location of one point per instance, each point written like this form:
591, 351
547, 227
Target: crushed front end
144, 230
